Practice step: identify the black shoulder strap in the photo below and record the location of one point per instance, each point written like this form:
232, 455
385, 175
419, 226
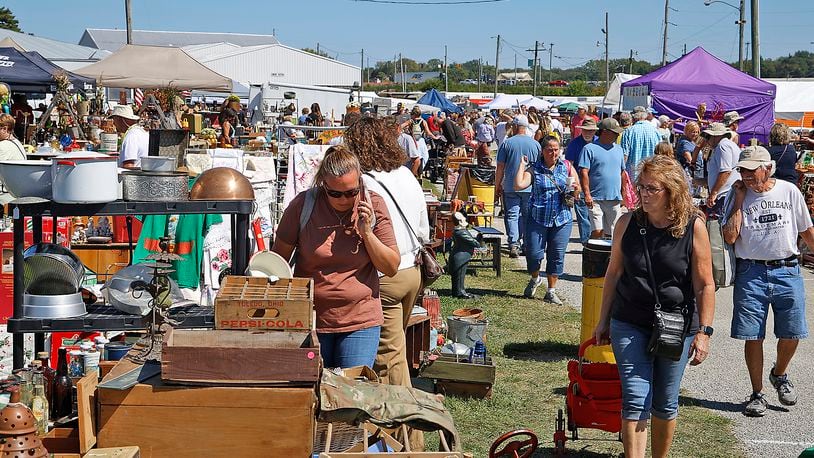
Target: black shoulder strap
652, 277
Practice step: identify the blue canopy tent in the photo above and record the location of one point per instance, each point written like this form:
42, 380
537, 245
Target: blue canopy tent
435, 99
27, 72
81, 83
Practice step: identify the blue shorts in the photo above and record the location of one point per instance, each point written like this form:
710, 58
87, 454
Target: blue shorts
649, 384
756, 287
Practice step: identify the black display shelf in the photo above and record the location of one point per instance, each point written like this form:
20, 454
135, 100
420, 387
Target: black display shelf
103, 317
36, 208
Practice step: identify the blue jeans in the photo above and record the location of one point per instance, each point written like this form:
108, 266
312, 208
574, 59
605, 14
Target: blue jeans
549, 241
349, 349
583, 220
649, 384
758, 286
515, 208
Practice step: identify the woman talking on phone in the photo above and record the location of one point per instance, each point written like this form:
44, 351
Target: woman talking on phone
343, 235
554, 187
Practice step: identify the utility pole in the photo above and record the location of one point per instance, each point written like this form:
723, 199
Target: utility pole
551, 55
129, 20
368, 70
741, 24
756, 38
361, 76
515, 68
607, 61
480, 71
403, 81
497, 66
630, 63
685, 49
536, 48
317, 48
446, 71
666, 24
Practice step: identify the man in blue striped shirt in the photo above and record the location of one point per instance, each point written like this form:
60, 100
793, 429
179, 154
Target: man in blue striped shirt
639, 141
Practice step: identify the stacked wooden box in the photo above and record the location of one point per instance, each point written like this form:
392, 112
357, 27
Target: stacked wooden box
246, 388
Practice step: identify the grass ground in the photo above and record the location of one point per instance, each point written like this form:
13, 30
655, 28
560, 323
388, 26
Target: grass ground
531, 342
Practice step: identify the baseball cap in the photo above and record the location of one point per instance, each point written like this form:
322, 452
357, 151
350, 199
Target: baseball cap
611, 125
521, 120
753, 157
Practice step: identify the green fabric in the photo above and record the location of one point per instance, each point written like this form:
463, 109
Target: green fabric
191, 228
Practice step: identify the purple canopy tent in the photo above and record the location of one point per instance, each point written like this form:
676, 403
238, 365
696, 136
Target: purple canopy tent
678, 88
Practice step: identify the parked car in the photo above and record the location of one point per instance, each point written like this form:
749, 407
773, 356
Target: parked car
558, 83
468, 81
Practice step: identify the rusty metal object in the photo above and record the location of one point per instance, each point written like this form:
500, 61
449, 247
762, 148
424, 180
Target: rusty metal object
222, 183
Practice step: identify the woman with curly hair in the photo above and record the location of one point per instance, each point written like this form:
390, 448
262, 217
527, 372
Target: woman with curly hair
666, 228
381, 158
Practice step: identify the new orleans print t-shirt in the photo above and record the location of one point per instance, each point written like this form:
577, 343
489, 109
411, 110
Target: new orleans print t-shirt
771, 222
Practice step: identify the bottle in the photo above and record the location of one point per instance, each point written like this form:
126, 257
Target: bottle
477, 355
39, 405
26, 388
63, 388
49, 373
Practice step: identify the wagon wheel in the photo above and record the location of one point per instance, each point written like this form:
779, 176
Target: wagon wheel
559, 434
516, 448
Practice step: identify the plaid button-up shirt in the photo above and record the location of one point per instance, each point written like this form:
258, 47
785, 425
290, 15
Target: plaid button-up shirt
545, 203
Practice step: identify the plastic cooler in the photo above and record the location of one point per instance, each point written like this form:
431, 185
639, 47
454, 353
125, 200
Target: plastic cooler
595, 258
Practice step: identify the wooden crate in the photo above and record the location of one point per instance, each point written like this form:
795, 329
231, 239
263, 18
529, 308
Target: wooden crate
177, 422
460, 378
234, 357
257, 303
417, 337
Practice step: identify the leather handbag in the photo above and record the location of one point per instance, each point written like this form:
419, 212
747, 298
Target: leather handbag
669, 328
431, 270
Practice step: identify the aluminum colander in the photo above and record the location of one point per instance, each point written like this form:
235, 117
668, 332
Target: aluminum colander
50, 269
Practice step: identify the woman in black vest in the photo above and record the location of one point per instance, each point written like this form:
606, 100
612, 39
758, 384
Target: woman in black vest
675, 236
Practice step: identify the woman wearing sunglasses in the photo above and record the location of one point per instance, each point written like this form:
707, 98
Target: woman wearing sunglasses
660, 260
347, 240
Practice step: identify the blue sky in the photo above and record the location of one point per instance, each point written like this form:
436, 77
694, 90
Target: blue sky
344, 27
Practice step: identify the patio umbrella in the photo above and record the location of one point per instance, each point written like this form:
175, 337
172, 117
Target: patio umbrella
571, 107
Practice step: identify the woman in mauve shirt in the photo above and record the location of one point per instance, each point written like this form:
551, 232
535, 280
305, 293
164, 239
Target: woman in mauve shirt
342, 246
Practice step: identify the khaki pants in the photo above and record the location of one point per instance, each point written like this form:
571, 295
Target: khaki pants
398, 294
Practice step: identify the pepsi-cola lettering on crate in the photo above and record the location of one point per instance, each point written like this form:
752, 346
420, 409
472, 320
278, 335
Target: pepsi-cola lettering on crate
256, 303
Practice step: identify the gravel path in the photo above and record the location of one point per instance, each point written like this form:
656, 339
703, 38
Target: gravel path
722, 383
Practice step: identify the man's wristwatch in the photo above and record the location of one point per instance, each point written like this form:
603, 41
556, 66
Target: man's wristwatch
708, 330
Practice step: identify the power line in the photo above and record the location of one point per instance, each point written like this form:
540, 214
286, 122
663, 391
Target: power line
413, 2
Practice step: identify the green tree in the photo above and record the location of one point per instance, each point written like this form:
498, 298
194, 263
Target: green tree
320, 53
8, 21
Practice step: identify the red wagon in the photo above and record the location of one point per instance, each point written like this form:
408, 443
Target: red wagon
593, 399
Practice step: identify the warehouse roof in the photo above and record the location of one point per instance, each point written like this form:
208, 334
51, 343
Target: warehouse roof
113, 39
53, 50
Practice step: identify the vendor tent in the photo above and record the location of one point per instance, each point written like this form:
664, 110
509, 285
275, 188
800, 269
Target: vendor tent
570, 107
145, 67
80, 82
699, 77
504, 101
9, 42
613, 98
537, 103
435, 99
27, 73
794, 99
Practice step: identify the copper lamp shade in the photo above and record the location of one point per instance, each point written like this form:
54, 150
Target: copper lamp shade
222, 183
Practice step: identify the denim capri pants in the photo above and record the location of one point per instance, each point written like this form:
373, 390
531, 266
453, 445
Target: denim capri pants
549, 242
649, 384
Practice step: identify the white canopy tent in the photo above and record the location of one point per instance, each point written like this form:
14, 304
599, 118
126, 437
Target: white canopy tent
504, 101
794, 98
613, 99
537, 103
147, 67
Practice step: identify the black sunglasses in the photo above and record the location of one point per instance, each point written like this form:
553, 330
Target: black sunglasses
337, 194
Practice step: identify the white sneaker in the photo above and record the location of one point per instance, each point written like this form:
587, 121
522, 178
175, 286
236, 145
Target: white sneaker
531, 287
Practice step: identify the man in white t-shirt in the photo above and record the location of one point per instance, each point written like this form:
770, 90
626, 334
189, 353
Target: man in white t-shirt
767, 216
720, 166
135, 139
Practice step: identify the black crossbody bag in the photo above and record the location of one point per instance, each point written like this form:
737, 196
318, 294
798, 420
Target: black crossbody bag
669, 329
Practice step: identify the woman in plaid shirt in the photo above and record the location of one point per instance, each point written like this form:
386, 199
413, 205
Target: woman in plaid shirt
548, 227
